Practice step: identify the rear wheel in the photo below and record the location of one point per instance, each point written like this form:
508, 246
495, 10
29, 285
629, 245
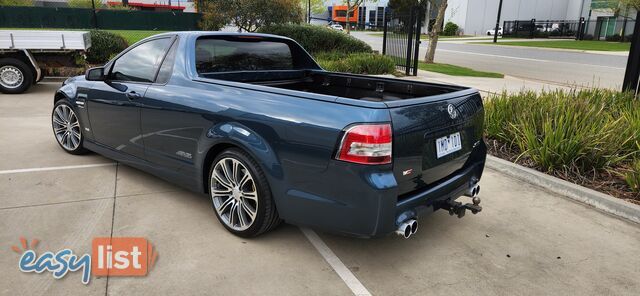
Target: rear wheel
66, 128
240, 194
15, 76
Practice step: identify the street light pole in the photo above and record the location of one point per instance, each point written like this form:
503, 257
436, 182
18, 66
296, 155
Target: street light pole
497, 29
632, 74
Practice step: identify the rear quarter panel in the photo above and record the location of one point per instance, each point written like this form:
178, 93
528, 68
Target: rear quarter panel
293, 138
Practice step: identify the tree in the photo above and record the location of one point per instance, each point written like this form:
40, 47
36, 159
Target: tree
248, 15
405, 6
441, 7
82, 3
317, 7
352, 5
635, 4
213, 17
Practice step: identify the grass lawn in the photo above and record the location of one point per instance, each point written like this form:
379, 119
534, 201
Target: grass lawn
570, 44
457, 70
133, 36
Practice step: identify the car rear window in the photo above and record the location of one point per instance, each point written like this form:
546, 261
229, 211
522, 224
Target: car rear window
237, 54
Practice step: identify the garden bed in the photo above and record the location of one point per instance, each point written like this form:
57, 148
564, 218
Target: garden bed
588, 137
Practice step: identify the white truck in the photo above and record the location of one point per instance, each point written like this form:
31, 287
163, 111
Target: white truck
23, 52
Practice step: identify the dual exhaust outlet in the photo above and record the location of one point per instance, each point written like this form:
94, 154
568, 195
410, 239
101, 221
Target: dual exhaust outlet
473, 191
410, 226
407, 228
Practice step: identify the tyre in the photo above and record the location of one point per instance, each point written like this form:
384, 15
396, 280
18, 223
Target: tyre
240, 194
15, 76
66, 128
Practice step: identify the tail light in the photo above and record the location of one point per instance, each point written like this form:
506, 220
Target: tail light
366, 144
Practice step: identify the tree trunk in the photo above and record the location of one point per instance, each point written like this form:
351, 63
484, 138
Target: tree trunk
435, 32
348, 23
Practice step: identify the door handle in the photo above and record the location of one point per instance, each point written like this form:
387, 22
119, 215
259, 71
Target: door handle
133, 95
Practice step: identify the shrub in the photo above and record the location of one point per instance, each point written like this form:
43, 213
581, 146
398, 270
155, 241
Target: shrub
570, 131
358, 63
317, 39
614, 38
104, 45
450, 29
633, 175
628, 38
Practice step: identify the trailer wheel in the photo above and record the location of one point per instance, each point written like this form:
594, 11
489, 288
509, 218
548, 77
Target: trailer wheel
15, 76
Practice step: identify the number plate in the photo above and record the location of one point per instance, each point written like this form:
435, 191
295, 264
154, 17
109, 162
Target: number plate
449, 144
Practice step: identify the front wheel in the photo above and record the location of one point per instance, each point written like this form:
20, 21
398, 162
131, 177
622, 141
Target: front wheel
240, 194
66, 128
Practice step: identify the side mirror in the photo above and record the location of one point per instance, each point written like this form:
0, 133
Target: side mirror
95, 74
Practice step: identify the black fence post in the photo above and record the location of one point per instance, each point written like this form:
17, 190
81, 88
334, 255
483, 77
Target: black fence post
533, 29
582, 27
632, 74
384, 35
407, 66
94, 16
417, 46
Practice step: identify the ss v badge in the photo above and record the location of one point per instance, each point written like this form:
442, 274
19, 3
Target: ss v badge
407, 172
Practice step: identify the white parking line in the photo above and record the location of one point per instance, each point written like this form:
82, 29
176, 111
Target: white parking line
345, 274
56, 168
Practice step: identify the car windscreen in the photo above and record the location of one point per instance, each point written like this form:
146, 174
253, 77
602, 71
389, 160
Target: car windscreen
215, 55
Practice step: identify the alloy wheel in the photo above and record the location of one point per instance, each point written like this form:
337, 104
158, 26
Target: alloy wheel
234, 194
66, 127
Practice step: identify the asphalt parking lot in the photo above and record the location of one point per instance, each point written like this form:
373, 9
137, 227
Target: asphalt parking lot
527, 241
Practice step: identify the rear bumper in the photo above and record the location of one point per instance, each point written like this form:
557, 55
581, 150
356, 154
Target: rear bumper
365, 203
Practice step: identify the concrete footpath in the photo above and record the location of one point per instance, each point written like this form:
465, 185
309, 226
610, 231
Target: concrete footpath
526, 241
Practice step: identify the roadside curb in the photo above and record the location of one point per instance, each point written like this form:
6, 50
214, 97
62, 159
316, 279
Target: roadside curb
584, 195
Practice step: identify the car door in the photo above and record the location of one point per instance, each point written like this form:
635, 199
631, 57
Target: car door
114, 110
171, 129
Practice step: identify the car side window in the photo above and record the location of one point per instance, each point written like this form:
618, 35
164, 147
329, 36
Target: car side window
167, 65
140, 63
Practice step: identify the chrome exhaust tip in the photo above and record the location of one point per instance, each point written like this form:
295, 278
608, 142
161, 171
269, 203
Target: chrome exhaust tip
407, 228
473, 191
414, 227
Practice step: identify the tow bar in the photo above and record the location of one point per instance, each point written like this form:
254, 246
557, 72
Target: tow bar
459, 209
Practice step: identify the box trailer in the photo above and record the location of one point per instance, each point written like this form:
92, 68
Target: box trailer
22, 52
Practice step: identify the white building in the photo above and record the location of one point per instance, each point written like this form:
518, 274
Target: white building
475, 17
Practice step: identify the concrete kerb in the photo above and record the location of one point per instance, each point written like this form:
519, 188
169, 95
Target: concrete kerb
584, 195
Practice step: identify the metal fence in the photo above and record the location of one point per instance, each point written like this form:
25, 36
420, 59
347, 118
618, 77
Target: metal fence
401, 39
132, 24
602, 28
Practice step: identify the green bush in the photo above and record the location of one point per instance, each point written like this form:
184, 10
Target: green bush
104, 45
450, 29
318, 39
358, 63
633, 175
571, 131
614, 38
